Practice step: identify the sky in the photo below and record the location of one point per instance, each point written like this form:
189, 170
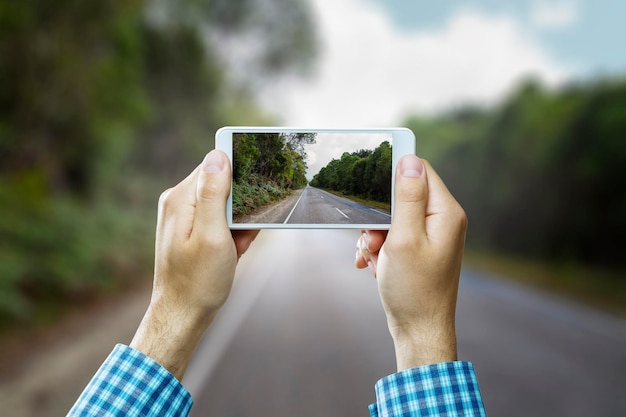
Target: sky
329, 146
381, 60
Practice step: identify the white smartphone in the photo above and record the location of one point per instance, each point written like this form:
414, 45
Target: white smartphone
312, 178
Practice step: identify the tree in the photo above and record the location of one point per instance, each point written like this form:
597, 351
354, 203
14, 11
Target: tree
363, 173
298, 141
244, 146
70, 92
91, 89
102, 104
539, 174
381, 182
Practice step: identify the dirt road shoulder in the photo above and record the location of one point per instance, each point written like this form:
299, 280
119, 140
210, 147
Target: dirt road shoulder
275, 212
54, 366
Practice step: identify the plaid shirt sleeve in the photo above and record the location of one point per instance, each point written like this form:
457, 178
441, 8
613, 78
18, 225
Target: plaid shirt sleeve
130, 383
445, 389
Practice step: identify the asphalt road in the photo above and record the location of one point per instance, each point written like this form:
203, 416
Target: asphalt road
317, 206
303, 334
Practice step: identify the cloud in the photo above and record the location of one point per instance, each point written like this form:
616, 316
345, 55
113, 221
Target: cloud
550, 15
372, 74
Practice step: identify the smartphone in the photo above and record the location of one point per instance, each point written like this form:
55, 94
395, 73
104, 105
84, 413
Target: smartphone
312, 178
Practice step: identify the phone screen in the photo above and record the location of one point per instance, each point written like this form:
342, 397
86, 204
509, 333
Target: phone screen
311, 178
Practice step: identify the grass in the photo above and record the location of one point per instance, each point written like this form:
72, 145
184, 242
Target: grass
596, 287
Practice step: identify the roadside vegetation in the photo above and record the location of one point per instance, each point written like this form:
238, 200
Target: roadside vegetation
365, 174
541, 177
102, 106
267, 167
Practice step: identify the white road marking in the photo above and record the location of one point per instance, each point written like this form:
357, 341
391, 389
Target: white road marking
380, 212
342, 213
294, 207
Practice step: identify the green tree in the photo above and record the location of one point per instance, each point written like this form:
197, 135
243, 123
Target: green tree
244, 146
104, 103
539, 175
381, 181
299, 172
267, 166
362, 173
70, 93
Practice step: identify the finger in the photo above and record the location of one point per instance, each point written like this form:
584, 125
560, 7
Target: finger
374, 239
177, 208
243, 239
364, 257
212, 190
361, 258
411, 198
444, 214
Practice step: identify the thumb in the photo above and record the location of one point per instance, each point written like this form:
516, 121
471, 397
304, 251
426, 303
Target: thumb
411, 198
212, 191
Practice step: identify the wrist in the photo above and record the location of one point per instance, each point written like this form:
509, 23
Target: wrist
418, 348
170, 336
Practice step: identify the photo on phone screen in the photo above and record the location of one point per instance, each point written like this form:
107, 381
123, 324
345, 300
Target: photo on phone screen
311, 178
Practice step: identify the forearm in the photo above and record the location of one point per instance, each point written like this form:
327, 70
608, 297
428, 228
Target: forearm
170, 337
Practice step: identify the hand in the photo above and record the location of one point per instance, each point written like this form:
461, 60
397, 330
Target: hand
417, 265
195, 260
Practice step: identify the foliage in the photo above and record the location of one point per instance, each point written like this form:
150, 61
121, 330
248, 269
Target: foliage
364, 173
69, 85
541, 175
266, 167
102, 105
62, 250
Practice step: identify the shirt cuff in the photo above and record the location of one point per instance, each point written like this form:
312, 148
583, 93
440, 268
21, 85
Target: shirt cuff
131, 383
443, 389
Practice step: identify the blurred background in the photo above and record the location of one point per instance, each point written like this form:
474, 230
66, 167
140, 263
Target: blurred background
519, 105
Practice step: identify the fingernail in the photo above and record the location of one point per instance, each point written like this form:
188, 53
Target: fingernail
357, 255
362, 245
213, 163
366, 240
412, 166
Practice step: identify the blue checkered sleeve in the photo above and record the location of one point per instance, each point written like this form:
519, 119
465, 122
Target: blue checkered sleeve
447, 389
129, 384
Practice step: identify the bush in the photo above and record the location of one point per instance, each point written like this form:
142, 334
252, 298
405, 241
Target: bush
255, 193
58, 251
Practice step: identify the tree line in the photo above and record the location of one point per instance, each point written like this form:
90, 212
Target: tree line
541, 175
266, 167
102, 105
364, 173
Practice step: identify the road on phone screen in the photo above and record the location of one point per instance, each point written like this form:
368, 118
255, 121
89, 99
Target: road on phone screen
315, 206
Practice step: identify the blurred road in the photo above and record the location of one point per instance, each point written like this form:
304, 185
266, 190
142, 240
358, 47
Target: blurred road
304, 334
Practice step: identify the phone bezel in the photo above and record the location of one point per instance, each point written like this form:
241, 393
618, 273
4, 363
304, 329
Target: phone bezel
403, 143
